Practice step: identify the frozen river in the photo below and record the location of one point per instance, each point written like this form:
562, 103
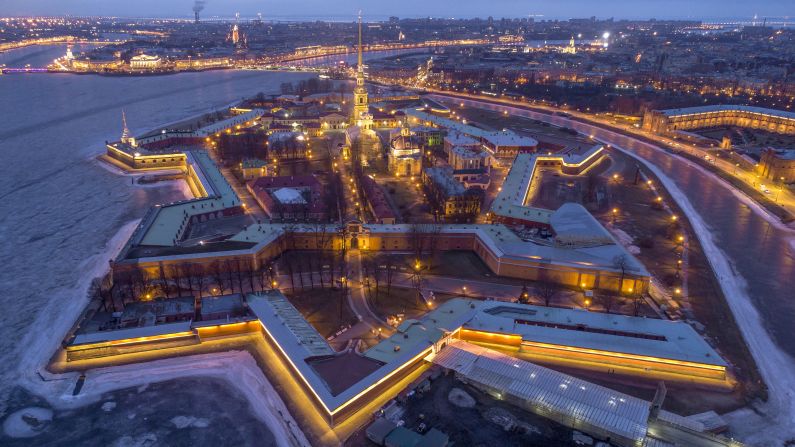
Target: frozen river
60, 208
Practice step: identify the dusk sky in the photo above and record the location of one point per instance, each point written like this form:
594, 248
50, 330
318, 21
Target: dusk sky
378, 9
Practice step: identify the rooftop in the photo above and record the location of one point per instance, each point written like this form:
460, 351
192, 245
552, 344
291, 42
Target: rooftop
289, 196
413, 335
495, 138
727, 108
554, 392
162, 224
443, 178
285, 322
665, 339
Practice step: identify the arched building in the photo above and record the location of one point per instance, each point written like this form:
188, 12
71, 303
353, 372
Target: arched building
671, 121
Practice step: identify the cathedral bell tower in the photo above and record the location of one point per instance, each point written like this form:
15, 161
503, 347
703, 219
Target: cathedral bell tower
361, 107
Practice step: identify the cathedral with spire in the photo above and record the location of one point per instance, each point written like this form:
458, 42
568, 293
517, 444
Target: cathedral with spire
361, 117
361, 128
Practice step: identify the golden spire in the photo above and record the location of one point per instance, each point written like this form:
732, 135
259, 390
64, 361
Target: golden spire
125, 132
360, 66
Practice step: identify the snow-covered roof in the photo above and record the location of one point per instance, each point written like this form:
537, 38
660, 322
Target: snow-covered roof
573, 224
429, 329
162, 224
495, 138
588, 404
136, 332
727, 108
663, 339
289, 196
287, 326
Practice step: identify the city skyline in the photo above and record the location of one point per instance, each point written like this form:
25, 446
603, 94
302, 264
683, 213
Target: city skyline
676, 9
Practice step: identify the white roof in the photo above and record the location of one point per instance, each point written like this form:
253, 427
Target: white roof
573, 224
162, 225
553, 392
123, 334
289, 196
665, 339
496, 138
460, 139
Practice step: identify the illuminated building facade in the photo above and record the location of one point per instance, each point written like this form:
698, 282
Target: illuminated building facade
405, 154
669, 122
777, 165
361, 106
145, 62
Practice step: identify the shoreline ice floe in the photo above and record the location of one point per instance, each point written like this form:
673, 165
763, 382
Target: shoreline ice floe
772, 422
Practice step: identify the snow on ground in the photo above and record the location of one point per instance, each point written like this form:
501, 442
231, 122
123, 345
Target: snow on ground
770, 423
39, 348
237, 368
624, 239
27, 422
773, 422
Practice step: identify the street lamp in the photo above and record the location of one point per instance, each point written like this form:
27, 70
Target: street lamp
615, 214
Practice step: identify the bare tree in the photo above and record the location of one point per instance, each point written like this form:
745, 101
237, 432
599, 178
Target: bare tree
124, 289
389, 274
377, 274
637, 302
217, 271
417, 240
140, 283
547, 291
621, 262
524, 295
606, 299
163, 280
238, 267
229, 268
187, 273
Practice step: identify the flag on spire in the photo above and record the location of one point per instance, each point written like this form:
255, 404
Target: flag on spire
360, 66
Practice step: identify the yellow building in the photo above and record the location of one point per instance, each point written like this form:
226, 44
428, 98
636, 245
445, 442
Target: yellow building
405, 154
145, 62
668, 122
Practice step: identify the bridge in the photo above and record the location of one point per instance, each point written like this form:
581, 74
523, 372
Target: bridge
12, 70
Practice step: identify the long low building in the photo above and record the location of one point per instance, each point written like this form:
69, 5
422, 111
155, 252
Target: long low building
597, 410
342, 384
503, 144
601, 342
581, 255
510, 205
671, 121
